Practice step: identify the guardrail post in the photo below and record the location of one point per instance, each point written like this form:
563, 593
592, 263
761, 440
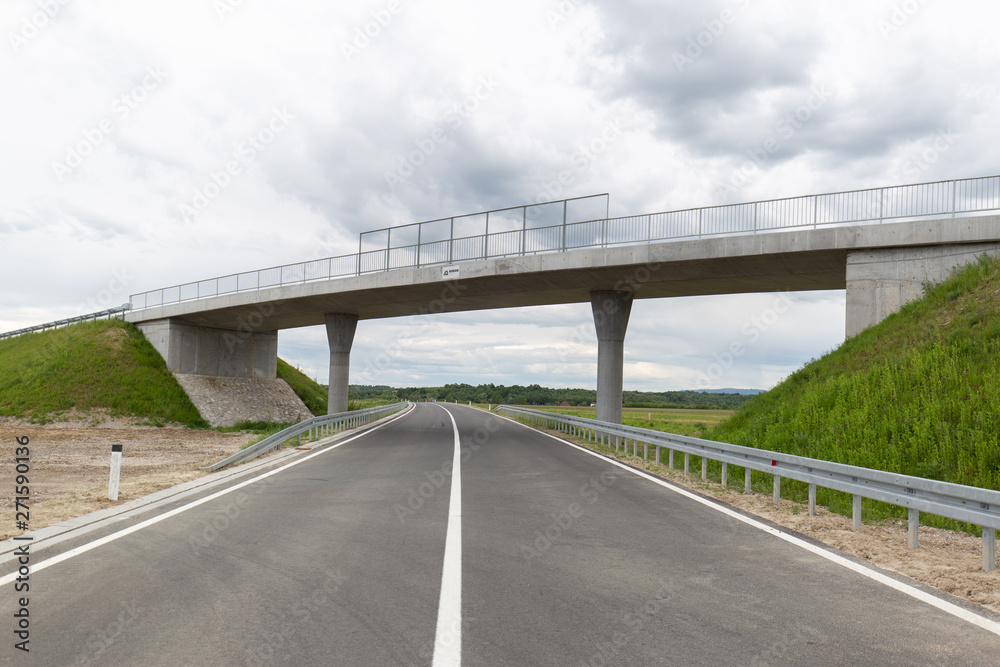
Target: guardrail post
913, 532
645, 451
670, 457
747, 472
812, 500
989, 549
856, 513
687, 463
704, 469
777, 488
725, 474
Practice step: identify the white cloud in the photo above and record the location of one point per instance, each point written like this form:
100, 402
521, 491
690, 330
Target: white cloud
558, 75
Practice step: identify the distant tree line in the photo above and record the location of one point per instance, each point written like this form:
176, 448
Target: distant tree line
538, 395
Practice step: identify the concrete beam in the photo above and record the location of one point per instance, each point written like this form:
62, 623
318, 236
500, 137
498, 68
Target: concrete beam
611, 313
195, 350
881, 281
340, 329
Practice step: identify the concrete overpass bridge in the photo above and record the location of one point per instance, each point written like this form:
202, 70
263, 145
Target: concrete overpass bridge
880, 244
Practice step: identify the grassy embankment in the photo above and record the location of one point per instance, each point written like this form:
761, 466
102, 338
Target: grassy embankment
109, 368
915, 394
106, 366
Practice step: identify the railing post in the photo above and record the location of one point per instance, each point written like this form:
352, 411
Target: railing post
989, 549
388, 247
856, 513
687, 463
913, 529
777, 488
524, 229
704, 468
565, 209
725, 474
670, 458
812, 500
747, 472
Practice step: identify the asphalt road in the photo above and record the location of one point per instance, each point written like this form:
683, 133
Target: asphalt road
337, 557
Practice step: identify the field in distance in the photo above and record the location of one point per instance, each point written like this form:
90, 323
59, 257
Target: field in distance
683, 421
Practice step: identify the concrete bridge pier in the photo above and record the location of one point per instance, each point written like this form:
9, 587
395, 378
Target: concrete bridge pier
611, 312
340, 328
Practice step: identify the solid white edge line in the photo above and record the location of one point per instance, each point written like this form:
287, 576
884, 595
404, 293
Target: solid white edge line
448, 635
149, 522
923, 596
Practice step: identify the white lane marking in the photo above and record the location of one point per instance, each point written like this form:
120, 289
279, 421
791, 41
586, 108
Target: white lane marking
448, 637
149, 522
923, 596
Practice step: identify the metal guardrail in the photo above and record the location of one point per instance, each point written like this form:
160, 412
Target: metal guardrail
315, 428
970, 504
549, 227
111, 312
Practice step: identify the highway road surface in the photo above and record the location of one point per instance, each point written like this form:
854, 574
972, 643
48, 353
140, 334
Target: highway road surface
451, 536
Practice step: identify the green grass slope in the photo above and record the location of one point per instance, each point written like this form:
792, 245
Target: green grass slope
916, 394
106, 364
313, 394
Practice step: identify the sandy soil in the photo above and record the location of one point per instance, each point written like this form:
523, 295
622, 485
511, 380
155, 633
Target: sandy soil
70, 465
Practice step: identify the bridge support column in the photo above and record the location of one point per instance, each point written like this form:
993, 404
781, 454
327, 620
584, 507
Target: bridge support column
340, 330
881, 281
611, 312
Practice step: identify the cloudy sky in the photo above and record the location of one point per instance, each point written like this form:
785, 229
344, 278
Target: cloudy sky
150, 144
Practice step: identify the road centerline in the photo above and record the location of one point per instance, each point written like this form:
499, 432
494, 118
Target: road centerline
448, 636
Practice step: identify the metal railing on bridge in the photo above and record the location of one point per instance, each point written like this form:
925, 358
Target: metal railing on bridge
980, 507
109, 313
572, 224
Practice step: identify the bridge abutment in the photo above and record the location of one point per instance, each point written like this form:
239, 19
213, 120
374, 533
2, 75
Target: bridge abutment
881, 281
193, 350
611, 312
340, 329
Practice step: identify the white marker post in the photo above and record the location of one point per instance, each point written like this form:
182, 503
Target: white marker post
116, 471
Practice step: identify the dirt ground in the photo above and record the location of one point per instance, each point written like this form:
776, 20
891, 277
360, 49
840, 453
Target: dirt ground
70, 466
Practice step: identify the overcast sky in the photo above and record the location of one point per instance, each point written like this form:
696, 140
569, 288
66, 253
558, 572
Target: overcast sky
121, 118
